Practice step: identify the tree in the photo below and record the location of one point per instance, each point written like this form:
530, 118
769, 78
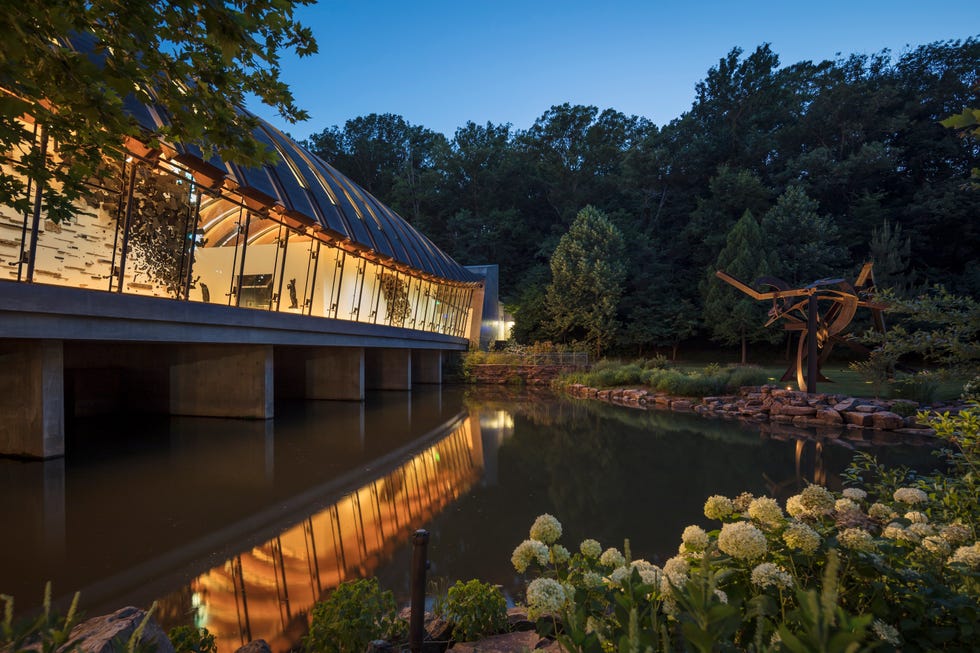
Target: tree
75, 67
732, 316
891, 258
801, 243
588, 269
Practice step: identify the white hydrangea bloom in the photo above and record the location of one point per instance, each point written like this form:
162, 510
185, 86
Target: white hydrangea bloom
611, 557
544, 596
768, 574
742, 501
956, 533
801, 537
718, 507
881, 512
845, 506
917, 517
591, 580
856, 539
676, 570
527, 552
910, 495
967, 555
650, 573
886, 633
546, 529
694, 538
618, 575
721, 596
590, 548
922, 530
559, 554
895, 531
936, 545
742, 541
817, 500
765, 511
854, 494
794, 506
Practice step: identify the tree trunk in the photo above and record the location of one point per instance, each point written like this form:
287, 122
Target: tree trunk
744, 348
673, 353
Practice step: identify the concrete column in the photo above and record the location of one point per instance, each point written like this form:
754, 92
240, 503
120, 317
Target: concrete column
388, 369
335, 373
32, 398
427, 366
222, 381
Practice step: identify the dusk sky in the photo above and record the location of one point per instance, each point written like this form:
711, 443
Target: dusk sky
441, 63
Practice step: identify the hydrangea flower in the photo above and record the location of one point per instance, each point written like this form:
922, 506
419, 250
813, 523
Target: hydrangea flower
694, 539
794, 506
718, 507
817, 500
967, 555
742, 541
896, 531
910, 495
856, 539
676, 570
765, 511
721, 596
546, 529
611, 557
917, 517
768, 574
801, 537
886, 633
936, 545
854, 494
544, 596
845, 506
650, 573
618, 575
590, 548
881, 512
922, 530
956, 534
742, 501
560, 555
527, 552
591, 580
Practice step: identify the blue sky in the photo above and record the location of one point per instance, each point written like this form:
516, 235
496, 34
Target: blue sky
441, 63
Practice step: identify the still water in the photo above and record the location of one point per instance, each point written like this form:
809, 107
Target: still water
239, 525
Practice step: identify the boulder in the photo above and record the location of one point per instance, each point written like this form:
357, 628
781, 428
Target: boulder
681, 404
884, 420
828, 416
861, 420
255, 646
98, 635
798, 411
866, 408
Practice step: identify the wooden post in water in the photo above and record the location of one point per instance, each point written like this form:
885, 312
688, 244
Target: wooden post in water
420, 563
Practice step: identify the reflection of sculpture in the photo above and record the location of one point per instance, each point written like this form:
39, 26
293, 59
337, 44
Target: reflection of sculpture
205, 293
293, 300
818, 333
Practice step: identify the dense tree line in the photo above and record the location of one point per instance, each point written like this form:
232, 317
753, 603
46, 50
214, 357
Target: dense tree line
834, 162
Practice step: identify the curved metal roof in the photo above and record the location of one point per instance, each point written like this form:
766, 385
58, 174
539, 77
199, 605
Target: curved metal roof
305, 184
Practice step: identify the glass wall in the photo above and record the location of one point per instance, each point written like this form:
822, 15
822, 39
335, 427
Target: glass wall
151, 229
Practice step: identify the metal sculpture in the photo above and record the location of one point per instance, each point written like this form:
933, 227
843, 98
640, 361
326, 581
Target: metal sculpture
819, 331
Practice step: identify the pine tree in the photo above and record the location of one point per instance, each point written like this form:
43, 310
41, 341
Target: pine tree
802, 244
732, 316
588, 269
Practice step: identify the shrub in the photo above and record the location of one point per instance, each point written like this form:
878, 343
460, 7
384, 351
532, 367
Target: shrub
356, 614
187, 639
921, 387
476, 610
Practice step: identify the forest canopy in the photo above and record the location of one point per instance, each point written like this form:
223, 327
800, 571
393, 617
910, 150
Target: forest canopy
853, 146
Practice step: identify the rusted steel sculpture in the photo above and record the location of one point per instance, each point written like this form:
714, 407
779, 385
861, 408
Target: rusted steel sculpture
819, 331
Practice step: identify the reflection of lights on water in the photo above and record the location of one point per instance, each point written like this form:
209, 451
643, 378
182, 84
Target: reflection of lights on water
200, 610
500, 419
436, 456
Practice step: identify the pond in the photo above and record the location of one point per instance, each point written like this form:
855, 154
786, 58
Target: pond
239, 526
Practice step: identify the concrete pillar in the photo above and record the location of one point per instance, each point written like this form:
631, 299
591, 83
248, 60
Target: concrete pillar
427, 366
222, 381
388, 369
32, 398
335, 373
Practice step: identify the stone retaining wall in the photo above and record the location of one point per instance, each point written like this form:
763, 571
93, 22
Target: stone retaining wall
774, 404
516, 374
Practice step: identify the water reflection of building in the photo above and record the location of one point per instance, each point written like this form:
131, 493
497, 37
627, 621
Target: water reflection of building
266, 591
